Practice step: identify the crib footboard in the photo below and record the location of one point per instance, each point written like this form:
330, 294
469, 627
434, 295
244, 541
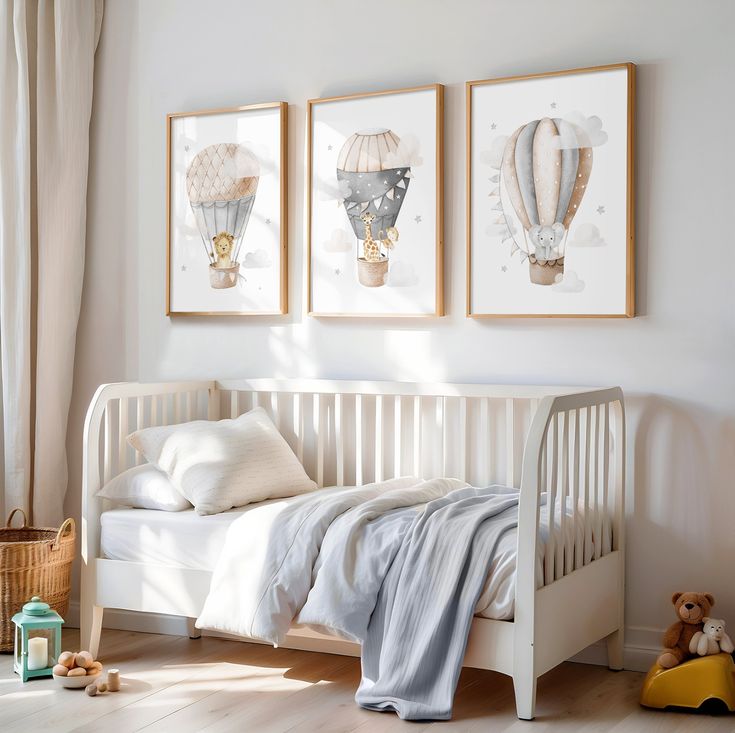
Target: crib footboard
574, 463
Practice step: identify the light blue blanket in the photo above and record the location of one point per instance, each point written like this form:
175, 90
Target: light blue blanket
432, 565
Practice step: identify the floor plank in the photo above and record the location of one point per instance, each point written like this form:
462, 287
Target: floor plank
177, 684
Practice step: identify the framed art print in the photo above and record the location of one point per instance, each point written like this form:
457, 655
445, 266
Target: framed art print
375, 204
550, 194
226, 211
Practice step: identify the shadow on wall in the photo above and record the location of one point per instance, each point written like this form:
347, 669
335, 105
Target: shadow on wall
681, 506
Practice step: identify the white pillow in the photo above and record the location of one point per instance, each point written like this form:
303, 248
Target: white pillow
144, 487
227, 463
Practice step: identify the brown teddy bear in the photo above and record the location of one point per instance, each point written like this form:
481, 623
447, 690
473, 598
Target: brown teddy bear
691, 608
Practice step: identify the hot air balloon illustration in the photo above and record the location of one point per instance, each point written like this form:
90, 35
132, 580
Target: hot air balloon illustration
221, 183
368, 171
544, 180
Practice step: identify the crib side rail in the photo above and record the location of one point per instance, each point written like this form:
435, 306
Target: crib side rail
573, 468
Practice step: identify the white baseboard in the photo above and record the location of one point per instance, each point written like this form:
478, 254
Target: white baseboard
642, 645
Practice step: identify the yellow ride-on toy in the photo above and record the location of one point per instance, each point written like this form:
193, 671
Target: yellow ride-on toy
707, 682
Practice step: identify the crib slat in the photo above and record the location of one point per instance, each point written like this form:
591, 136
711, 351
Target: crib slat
177, 407
578, 532
154, 410
588, 549
462, 448
440, 430
122, 434
234, 403
378, 472
107, 445
317, 425
339, 440
298, 425
189, 407
605, 523
596, 485
139, 423
358, 440
485, 446
417, 468
551, 505
565, 551
274, 410
397, 436
510, 460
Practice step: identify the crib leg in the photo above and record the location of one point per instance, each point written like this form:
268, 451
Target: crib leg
194, 632
615, 650
525, 689
90, 629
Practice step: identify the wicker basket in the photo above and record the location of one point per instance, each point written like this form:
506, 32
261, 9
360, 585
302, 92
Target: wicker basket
34, 561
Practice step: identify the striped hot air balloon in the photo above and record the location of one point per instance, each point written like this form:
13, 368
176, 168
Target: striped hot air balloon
221, 183
376, 186
544, 177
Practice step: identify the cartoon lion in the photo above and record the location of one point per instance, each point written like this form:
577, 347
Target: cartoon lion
223, 246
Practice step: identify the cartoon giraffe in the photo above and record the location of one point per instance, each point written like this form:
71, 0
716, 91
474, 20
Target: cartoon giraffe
371, 247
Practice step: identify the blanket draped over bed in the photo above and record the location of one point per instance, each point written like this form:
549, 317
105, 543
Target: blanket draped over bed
397, 566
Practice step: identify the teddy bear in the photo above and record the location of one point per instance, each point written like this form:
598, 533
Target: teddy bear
691, 609
712, 639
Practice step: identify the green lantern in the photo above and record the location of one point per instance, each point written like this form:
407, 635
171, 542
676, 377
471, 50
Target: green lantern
37, 640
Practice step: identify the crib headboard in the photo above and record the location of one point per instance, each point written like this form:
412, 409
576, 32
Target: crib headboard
352, 433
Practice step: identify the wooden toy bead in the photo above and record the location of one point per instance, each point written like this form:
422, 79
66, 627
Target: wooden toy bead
91, 690
101, 686
113, 680
67, 659
83, 659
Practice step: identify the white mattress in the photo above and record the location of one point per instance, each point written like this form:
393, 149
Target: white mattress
186, 539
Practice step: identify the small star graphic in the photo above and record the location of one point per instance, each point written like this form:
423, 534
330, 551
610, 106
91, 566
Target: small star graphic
553, 105
338, 271
417, 219
398, 173
493, 126
504, 268
260, 287
183, 268
329, 147
600, 209
267, 221
186, 147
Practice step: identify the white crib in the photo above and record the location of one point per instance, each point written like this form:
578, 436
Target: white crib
567, 441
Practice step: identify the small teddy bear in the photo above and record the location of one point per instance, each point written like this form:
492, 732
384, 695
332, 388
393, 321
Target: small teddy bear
690, 609
712, 639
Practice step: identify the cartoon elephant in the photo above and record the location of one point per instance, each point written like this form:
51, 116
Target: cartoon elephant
545, 238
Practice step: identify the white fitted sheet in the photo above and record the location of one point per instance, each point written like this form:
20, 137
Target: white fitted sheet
186, 539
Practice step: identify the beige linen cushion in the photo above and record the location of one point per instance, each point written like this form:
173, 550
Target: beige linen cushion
217, 465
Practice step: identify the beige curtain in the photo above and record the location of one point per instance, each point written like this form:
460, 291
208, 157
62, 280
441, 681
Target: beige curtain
46, 76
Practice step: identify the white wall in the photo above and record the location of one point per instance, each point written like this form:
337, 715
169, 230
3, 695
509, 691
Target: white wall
675, 360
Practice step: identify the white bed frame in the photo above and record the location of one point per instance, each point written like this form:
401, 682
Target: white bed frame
569, 441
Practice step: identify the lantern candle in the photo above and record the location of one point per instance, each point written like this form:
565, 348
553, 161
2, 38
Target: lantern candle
37, 652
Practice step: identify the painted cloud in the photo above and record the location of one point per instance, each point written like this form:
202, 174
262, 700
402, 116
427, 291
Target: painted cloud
587, 235
340, 241
256, 259
568, 283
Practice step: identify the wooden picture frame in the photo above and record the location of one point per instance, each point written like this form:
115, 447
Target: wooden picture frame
227, 168
340, 129
553, 96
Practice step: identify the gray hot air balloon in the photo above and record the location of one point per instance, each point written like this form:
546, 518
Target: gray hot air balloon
221, 183
376, 188
545, 182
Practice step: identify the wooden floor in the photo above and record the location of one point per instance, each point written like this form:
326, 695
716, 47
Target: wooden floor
172, 683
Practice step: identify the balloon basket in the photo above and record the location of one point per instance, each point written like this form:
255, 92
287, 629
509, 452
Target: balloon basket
372, 274
544, 272
223, 277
